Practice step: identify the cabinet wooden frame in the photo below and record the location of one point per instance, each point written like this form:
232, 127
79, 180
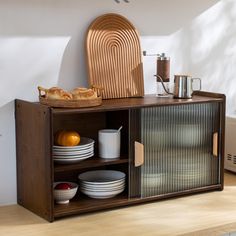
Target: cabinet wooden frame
36, 172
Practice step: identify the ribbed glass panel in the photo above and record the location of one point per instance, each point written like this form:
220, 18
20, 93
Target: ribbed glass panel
178, 148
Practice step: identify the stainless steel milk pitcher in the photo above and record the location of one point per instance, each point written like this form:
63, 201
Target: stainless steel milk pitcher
183, 86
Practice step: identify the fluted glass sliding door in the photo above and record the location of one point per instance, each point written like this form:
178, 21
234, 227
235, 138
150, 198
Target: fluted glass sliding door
178, 143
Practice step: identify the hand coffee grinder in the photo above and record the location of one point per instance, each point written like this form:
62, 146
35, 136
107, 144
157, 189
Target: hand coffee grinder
162, 74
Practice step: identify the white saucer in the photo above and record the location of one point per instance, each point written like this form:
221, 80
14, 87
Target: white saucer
66, 157
84, 143
70, 161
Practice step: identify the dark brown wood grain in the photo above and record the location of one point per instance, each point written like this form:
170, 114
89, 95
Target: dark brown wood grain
86, 124
147, 101
34, 164
91, 163
114, 120
208, 94
36, 125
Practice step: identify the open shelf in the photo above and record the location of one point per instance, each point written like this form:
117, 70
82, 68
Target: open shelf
84, 204
92, 162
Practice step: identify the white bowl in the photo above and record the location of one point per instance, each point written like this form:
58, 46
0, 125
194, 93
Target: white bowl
102, 177
101, 187
102, 194
63, 196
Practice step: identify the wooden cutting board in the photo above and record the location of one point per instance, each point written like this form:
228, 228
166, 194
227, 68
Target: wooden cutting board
114, 57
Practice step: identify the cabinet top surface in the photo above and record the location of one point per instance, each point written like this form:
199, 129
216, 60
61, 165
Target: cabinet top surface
147, 101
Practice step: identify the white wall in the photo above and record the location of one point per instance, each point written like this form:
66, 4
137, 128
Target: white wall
42, 43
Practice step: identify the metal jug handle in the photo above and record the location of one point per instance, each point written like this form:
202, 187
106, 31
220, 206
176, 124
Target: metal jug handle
200, 84
159, 77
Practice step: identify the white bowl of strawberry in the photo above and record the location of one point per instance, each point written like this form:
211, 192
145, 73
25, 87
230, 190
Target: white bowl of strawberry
64, 191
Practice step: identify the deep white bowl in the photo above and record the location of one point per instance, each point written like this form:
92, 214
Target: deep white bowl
102, 177
63, 196
102, 194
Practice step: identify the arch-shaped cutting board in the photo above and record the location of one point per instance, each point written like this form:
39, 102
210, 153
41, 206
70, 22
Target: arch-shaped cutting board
114, 57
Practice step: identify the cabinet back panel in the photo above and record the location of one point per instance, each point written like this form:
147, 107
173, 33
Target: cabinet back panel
73, 175
115, 119
88, 125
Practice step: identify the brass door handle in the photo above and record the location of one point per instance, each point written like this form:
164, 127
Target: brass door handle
138, 154
215, 144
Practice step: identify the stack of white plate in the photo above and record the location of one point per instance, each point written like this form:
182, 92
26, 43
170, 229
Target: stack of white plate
73, 154
101, 184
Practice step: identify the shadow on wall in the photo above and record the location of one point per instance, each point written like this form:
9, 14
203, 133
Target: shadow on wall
46, 46
42, 43
204, 48
7, 154
27, 62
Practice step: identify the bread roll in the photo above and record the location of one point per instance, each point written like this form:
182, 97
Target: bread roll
55, 93
83, 93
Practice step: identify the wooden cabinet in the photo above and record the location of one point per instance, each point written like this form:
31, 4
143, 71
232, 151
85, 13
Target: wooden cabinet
183, 150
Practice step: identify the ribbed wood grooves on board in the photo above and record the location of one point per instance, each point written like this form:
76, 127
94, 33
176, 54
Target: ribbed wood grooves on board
114, 57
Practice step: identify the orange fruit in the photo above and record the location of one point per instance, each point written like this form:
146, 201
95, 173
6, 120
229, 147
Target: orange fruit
67, 138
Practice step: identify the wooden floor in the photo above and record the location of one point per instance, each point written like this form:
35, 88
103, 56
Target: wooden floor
211, 213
